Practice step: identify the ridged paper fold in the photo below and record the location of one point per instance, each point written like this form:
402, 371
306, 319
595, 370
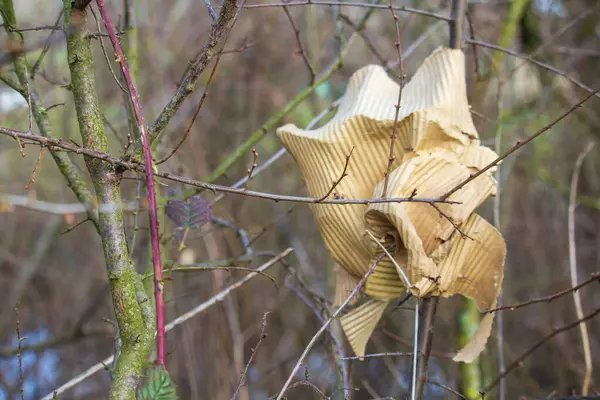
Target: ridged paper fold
437, 148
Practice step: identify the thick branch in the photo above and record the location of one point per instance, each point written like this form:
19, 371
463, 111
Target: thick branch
131, 313
198, 65
134, 166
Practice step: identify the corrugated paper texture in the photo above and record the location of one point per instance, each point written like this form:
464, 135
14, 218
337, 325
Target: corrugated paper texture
437, 148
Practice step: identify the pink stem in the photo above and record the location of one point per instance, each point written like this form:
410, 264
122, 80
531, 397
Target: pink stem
158, 289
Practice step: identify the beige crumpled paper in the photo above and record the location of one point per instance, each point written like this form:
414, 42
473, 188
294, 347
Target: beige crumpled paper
437, 148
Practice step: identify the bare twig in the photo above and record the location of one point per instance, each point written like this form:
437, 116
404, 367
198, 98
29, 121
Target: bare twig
281, 152
110, 68
263, 335
342, 176
52, 144
37, 164
415, 358
38, 62
204, 94
178, 321
252, 167
310, 385
152, 208
463, 235
326, 324
446, 388
374, 355
301, 48
518, 145
197, 66
402, 77
20, 352
55, 208
595, 277
539, 344
405, 280
276, 118
350, 4
585, 340
538, 63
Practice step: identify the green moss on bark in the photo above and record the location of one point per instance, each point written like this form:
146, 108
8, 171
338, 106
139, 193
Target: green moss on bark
132, 306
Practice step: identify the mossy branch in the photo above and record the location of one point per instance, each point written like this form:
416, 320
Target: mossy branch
132, 307
74, 180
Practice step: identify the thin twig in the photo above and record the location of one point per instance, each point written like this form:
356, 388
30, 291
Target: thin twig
539, 344
197, 67
463, 235
110, 68
402, 78
415, 358
204, 94
519, 144
263, 335
372, 48
585, 340
447, 388
301, 49
538, 63
326, 324
152, 207
276, 118
350, 4
310, 385
133, 166
37, 164
20, 352
281, 152
595, 277
218, 298
374, 355
252, 167
405, 280
342, 176
38, 62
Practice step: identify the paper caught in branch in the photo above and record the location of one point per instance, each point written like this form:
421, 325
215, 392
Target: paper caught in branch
444, 249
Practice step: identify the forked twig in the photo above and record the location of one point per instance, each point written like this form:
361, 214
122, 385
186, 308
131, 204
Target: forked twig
454, 224
216, 299
342, 176
536, 346
326, 324
519, 144
263, 335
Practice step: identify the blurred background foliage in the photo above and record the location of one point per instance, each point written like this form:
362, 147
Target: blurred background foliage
60, 279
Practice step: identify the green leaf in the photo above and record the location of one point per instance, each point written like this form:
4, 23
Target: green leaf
159, 386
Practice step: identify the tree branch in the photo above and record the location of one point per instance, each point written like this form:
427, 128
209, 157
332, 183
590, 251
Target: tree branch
197, 66
74, 180
135, 325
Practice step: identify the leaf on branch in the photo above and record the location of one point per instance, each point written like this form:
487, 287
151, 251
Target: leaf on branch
159, 386
190, 214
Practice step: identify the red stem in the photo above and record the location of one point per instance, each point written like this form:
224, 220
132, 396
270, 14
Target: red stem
158, 288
